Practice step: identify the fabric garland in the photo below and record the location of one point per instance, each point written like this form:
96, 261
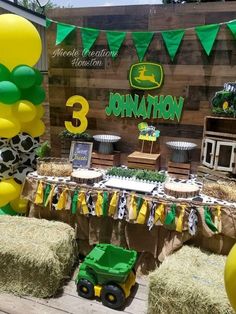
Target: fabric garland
192, 221
98, 206
63, 30
113, 204
208, 219
141, 42
74, 204
170, 217
180, 220
142, 213
88, 36
39, 194
207, 35
160, 214
172, 40
133, 209
115, 40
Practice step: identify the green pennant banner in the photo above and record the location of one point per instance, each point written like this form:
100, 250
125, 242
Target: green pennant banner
207, 36
48, 22
142, 41
172, 40
232, 26
63, 30
89, 36
115, 40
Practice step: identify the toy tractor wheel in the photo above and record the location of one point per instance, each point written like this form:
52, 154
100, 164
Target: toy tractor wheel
112, 296
85, 289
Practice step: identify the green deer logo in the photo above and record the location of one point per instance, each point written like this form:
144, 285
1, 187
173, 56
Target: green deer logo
143, 77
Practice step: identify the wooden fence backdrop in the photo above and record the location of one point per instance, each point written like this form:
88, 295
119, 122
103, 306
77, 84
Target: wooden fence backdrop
193, 75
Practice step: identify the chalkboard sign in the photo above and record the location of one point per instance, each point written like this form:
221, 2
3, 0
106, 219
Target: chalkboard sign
80, 154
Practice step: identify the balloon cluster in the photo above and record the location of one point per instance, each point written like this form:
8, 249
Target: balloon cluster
21, 97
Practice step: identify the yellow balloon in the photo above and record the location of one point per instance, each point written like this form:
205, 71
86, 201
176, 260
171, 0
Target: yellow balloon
5, 110
9, 190
24, 110
34, 128
39, 111
20, 42
20, 205
230, 277
9, 126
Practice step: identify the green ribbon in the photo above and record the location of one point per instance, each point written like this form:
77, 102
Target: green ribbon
115, 40
46, 193
207, 36
105, 204
232, 27
139, 203
48, 23
170, 217
63, 30
172, 40
142, 41
208, 219
74, 202
89, 36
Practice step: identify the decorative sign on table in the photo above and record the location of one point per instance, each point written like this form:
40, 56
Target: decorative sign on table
80, 154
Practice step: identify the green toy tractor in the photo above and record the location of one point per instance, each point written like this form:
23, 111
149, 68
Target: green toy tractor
108, 273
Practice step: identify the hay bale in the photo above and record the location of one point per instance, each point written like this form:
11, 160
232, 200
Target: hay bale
35, 254
189, 282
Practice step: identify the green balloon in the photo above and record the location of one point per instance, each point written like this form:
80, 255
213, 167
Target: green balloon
23, 76
39, 77
7, 210
4, 73
9, 92
35, 94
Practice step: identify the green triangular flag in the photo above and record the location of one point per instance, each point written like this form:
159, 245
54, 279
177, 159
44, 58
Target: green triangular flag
208, 219
46, 193
115, 40
142, 41
170, 217
74, 202
207, 36
232, 26
89, 36
139, 203
48, 22
172, 40
63, 30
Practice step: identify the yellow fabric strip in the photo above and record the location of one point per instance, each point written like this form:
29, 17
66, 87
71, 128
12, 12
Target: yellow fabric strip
39, 194
50, 196
62, 200
142, 213
98, 206
133, 211
217, 219
179, 224
160, 214
113, 204
82, 203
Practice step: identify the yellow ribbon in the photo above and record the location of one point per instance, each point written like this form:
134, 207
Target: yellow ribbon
98, 206
82, 202
62, 200
39, 194
50, 196
113, 204
133, 210
217, 218
160, 214
142, 213
179, 224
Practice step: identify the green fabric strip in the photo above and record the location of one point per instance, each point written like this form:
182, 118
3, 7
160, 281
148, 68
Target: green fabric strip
170, 217
208, 219
232, 26
74, 202
172, 40
63, 30
46, 194
142, 41
105, 204
88, 36
48, 23
139, 203
115, 40
207, 36
7, 210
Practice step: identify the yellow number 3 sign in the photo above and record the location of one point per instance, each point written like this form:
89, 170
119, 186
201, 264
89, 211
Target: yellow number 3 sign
78, 114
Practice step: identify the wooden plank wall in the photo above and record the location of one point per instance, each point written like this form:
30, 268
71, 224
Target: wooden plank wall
193, 75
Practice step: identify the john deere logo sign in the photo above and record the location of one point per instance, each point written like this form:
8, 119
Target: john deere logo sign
146, 75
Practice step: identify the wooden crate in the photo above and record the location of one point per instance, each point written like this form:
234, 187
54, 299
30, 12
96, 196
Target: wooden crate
212, 175
144, 161
105, 161
179, 170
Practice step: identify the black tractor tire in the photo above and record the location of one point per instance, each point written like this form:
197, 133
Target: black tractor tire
85, 289
113, 296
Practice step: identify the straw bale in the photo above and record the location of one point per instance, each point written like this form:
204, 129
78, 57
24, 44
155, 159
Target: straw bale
189, 282
35, 254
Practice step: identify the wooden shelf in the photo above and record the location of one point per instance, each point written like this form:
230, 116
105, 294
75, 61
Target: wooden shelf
144, 161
